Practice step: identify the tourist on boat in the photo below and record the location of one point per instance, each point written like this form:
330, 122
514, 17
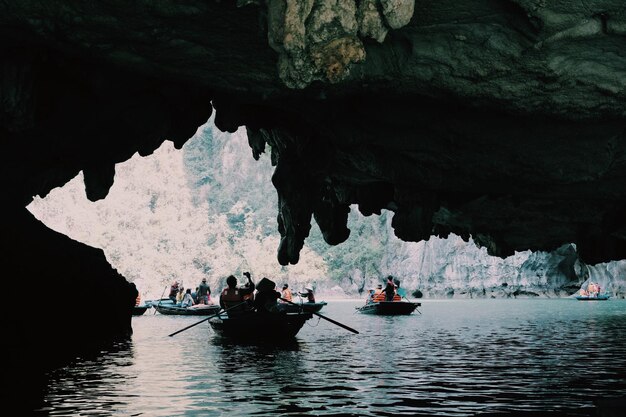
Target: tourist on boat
379, 295
308, 293
174, 292
390, 289
187, 300
266, 297
204, 292
370, 296
233, 295
286, 293
180, 295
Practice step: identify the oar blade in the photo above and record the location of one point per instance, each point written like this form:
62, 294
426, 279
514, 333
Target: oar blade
208, 318
326, 318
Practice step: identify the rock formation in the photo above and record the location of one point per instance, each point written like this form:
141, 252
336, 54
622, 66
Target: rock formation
500, 120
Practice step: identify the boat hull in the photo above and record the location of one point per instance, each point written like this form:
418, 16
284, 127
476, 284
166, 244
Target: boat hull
139, 310
301, 307
171, 310
588, 298
389, 308
254, 326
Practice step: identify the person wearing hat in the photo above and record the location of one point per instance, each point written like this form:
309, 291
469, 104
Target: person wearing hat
286, 294
204, 292
266, 296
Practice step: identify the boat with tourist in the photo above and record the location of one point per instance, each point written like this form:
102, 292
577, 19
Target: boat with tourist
301, 307
195, 310
140, 309
599, 297
256, 326
592, 291
378, 304
154, 303
388, 308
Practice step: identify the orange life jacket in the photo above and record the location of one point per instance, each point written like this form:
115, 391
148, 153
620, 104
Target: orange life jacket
231, 295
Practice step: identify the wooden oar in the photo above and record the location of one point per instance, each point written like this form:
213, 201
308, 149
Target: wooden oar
155, 310
324, 317
210, 317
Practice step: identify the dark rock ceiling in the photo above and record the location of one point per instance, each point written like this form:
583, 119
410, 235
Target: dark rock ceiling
504, 120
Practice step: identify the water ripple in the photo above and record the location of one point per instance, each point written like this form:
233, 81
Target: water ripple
460, 358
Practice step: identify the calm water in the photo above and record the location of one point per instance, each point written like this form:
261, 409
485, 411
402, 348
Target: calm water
459, 357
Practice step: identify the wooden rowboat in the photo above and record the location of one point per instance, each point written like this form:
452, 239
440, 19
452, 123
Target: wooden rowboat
389, 308
599, 297
258, 327
140, 309
201, 310
301, 307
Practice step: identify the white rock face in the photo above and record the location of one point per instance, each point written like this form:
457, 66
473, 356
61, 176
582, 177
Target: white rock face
209, 211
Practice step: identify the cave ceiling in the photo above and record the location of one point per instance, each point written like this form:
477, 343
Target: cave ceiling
500, 120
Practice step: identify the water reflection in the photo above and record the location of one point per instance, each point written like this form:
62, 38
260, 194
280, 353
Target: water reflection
93, 381
458, 358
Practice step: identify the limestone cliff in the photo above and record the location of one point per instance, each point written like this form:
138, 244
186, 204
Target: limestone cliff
196, 213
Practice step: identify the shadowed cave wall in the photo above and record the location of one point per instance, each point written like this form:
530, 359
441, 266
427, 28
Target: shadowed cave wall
500, 120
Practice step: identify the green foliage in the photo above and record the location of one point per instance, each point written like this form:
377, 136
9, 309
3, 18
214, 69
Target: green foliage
221, 170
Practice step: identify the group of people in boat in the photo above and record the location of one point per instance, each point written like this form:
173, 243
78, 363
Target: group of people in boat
391, 292
287, 295
261, 297
592, 290
187, 298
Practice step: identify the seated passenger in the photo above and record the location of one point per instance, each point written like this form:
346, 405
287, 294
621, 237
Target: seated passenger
286, 294
233, 296
378, 294
266, 296
187, 299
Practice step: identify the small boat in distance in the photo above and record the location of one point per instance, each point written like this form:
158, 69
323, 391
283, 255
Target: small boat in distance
140, 309
591, 292
301, 307
197, 310
258, 327
388, 308
598, 297
153, 303
376, 303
